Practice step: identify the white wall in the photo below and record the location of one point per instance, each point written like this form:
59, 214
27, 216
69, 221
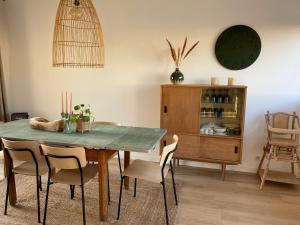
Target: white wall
4, 41
137, 59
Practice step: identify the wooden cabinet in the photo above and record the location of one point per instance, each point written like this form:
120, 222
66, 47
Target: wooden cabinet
209, 121
180, 109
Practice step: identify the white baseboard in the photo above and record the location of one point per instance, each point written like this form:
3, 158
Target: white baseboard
154, 157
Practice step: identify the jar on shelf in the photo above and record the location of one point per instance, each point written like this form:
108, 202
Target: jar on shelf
206, 97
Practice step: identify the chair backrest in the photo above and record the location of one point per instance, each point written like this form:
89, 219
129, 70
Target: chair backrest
107, 123
65, 158
281, 120
168, 151
13, 146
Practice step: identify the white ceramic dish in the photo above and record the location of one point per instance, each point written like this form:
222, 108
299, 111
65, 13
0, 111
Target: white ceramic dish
220, 130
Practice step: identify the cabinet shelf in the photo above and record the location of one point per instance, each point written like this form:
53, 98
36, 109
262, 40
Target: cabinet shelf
221, 136
220, 103
222, 117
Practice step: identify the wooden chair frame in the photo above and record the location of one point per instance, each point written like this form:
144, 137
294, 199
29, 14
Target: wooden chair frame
72, 187
10, 173
162, 183
290, 129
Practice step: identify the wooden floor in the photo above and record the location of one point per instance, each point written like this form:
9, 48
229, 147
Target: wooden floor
204, 199
207, 200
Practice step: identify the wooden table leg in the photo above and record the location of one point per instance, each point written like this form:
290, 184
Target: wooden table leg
12, 185
102, 173
126, 164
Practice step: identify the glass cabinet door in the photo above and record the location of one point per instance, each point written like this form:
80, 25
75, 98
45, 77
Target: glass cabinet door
221, 111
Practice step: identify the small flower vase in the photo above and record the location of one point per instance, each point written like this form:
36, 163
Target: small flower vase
177, 77
83, 126
67, 124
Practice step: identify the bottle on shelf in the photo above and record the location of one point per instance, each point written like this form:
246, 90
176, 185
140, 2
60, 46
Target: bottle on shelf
206, 97
213, 98
220, 97
226, 98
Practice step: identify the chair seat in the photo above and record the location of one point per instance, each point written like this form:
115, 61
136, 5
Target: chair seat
284, 142
29, 168
72, 177
145, 170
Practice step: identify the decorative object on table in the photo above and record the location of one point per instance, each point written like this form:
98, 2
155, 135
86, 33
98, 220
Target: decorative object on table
214, 81
238, 47
19, 116
40, 123
178, 77
67, 114
78, 39
231, 81
84, 117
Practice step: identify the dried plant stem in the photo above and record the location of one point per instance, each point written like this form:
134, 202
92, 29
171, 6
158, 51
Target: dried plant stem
181, 55
173, 54
191, 49
183, 48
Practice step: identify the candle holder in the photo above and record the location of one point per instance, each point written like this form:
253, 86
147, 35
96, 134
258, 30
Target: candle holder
68, 125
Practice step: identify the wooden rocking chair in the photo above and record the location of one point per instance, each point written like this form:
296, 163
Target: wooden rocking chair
283, 142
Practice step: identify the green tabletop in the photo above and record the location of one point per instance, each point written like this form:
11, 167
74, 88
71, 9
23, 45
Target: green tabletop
135, 139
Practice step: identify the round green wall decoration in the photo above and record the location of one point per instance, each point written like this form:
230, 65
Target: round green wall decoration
238, 47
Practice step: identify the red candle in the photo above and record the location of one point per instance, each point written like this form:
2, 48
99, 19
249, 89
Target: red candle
71, 104
66, 102
62, 102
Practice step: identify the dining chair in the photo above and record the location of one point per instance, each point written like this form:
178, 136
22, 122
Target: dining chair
72, 169
117, 152
283, 141
33, 164
153, 172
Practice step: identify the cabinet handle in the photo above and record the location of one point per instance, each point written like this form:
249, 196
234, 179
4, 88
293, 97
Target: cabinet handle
236, 149
165, 109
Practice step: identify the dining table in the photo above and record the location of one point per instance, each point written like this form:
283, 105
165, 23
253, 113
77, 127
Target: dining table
100, 143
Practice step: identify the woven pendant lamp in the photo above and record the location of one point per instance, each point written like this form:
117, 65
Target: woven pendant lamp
78, 39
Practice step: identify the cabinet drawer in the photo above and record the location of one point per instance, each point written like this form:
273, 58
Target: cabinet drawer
188, 145
222, 149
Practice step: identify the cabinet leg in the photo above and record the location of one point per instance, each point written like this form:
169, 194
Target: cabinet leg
177, 162
223, 170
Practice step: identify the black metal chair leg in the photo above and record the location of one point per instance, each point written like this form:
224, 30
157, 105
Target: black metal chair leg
120, 167
165, 199
72, 190
120, 197
46, 201
38, 198
108, 183
174, 185
7, 191
134, 187
83, 204
40, 183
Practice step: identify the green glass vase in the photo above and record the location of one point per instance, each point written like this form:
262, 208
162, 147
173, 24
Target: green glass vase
177, 77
